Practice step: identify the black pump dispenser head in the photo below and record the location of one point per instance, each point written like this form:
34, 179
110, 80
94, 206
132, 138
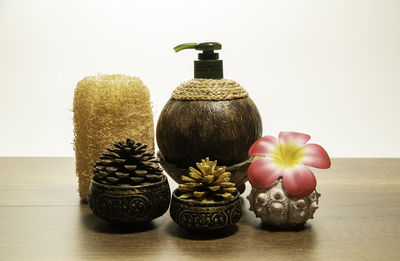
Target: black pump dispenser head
208, 66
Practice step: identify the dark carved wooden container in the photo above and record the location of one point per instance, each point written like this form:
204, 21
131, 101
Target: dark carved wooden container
196, 215
129, 204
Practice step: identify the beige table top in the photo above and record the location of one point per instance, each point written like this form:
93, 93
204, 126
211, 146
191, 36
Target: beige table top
42, 218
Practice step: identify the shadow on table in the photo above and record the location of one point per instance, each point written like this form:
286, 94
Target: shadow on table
297, 228
177, 231
94, 223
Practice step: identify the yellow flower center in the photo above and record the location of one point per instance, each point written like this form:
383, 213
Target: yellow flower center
288, 155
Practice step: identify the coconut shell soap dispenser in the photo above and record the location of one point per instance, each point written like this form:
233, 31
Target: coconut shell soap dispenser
208, 116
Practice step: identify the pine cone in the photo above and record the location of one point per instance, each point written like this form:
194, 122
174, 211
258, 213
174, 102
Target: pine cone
127, 163
208, 184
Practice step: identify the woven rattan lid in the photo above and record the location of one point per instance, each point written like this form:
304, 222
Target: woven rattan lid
209, 90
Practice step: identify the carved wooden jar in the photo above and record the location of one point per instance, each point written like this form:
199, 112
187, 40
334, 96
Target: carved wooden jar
205, 216
129, 204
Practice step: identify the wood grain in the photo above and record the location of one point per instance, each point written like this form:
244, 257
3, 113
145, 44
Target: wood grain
221, 130
42, 218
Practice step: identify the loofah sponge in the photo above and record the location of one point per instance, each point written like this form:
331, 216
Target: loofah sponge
108, 108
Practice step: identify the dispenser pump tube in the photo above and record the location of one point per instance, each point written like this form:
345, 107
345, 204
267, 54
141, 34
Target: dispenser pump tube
208, 66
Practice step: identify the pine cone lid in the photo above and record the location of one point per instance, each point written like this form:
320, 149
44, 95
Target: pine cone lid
208, 184
127, 163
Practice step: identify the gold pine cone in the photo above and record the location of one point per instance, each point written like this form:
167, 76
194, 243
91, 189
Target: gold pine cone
207, 184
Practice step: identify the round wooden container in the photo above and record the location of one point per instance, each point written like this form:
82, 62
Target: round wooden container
129, 204
208, 118
196, 215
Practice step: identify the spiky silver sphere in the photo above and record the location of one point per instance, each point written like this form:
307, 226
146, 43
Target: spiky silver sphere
275, 207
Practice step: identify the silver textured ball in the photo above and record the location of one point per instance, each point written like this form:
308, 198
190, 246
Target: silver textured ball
275, 207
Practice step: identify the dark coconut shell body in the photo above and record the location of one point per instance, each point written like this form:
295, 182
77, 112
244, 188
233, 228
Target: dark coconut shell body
188, 131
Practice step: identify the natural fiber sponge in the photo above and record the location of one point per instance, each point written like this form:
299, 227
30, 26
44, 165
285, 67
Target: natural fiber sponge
108, 108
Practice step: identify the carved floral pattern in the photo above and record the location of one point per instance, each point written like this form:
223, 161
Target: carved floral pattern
199, 216
129, 203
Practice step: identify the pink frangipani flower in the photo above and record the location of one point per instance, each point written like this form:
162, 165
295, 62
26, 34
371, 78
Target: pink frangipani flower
287, 158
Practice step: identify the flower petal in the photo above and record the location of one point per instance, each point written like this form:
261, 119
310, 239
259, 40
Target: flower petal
264, 146
293, 137
316, 156
299, 181
263, 172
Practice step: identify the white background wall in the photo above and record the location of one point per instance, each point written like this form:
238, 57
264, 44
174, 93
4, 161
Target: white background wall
327, 68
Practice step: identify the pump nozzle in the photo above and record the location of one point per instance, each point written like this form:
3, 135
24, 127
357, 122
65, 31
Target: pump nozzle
185, 46
208, 66
207, 46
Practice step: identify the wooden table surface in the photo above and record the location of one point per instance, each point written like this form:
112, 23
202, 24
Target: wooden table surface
42, 218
